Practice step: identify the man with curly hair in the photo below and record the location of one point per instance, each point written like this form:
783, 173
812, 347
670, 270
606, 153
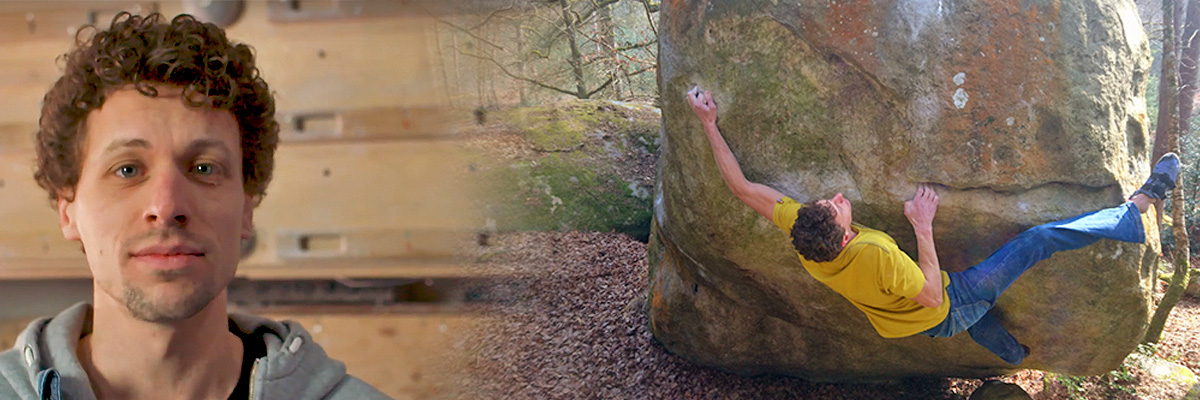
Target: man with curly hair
901, 297
155, 146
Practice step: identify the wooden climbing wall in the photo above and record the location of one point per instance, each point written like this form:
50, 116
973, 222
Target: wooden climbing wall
369, 180
368, 173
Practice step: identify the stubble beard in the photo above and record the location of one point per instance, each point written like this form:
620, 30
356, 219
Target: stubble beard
192, 296
144, 306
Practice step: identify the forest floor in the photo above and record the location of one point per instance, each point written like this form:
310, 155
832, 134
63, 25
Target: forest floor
575, 327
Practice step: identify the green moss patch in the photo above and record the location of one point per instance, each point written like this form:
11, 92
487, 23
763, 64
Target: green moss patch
578, 165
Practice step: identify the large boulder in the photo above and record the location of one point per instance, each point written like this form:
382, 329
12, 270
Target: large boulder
1023, 112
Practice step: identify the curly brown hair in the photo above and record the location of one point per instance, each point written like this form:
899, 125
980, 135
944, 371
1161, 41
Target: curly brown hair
143, 51
816, 235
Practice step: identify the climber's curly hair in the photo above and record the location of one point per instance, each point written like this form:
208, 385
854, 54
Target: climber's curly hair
816, 235
140, 52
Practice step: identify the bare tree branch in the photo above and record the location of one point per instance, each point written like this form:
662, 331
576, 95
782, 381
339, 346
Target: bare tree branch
620, 51
649, 10
637, 46
595, 6
493, 14
640, 71
505, 71
611, 77
469, 33
560, 30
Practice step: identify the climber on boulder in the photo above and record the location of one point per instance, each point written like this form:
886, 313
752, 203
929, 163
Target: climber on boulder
901, 297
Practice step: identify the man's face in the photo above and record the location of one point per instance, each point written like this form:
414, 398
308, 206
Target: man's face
841, 210
159, 206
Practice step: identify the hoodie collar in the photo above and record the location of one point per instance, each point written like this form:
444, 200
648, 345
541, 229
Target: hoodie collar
295, 367
50, 343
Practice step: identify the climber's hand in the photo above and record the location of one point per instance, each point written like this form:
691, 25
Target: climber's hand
921, 209
703, 105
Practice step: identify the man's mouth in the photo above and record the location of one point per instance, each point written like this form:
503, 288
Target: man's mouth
174, 256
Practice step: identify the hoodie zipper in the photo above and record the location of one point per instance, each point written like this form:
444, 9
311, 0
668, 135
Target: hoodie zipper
252, 380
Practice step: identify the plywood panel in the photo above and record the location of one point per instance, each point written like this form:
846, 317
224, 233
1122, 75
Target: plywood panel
405, 356
318, 10
10, 328
420, 184
27, 208
17, 137
17, 270
381, 123
312, 66
351, 189
25, 20
358, 63
28, 57
24, 269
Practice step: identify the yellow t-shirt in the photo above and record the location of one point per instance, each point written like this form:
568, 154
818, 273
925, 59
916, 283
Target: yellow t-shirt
876, 276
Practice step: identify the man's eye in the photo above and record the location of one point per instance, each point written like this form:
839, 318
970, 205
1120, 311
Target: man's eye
127, 171
205, 169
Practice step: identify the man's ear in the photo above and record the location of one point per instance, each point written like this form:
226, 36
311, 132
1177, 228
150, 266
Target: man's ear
845, 239
66, 218
248, 216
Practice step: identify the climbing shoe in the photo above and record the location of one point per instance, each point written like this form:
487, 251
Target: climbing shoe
1162, 178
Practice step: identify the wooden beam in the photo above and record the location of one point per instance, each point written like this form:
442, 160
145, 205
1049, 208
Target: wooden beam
311, 66
325, 10
380, 123
348, 125
41, 269
394, 268
40, 245
331, 243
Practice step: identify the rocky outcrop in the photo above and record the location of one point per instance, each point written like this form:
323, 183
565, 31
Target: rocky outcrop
1172, 380
573, 165
1023, 112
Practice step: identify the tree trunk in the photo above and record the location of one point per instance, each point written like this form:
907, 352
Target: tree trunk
608, 43
571, 26
454, 64
1189, 50
441, 62
1167, 89
1182, 246
1179, 280
493, 32
480, 67
522, 87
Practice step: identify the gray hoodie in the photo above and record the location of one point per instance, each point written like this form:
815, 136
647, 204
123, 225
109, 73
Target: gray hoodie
42, 365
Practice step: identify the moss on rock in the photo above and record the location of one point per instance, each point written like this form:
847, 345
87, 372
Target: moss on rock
579, 165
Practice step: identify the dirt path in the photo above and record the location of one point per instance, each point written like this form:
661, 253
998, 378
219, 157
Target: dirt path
578, 330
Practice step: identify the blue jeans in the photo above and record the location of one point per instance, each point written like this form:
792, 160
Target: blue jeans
973, 292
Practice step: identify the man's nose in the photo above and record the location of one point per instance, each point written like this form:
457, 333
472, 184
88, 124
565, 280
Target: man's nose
168, 199
838, 198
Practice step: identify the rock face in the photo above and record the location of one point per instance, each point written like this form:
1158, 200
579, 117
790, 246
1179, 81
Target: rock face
1023, 112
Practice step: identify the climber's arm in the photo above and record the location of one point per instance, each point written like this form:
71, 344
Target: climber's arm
920, 211
760, 197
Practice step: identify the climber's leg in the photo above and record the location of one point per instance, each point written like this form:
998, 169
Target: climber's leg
993, 276
990, 334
